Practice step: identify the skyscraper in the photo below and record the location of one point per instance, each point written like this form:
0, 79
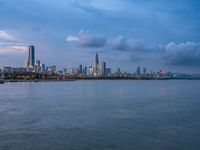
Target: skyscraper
65, 70
103, 69
108, 71
138, 71
31, 57
91, 72
37, 66
96, 71
118, 72
144, 70
43, 68
80, 69
85, 71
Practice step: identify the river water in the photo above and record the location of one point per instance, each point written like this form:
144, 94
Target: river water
100, 115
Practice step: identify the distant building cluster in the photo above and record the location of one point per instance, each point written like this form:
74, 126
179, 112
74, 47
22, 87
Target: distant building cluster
35, 65
97, 69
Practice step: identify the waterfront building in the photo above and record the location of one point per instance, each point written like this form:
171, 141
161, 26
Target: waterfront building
64, 70
96, 70
74, 71
7, 69
37, 66
71, 71
80, 70
43, 68
19, 69
85, 71
108, 71
31, 57
103, 69
60, 72
138, 73
144, 70
51, 69
118, 72
90, 71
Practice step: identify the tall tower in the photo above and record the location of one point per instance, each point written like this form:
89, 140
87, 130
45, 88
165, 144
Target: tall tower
96, 71
103, 69
80, 69
37, 66
138, 71
31, 57
97, 58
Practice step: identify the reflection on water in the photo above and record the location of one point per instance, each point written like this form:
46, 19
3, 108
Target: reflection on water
106, 115
163, 90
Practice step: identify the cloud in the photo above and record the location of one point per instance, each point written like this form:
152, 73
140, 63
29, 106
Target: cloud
9, 44
121, 43
36, 29
71, 38
118, 43
85, 39
92, 40
5, 36
183, 54
10, 49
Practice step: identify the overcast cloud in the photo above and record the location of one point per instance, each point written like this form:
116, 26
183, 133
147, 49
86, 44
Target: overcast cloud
126, 33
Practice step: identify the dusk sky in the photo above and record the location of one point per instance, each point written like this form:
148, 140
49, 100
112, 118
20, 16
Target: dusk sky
157, 34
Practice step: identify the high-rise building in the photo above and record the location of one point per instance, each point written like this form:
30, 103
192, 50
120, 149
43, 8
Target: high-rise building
80, 69
144, 70
43, 68
96, 70
138, 71
85, 71
37, 66
90, 71
103, 69
7, 69
51, 69
118, 72
31, 57
65, 70
108, 72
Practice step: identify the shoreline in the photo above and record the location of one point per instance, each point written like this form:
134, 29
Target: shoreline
78, 79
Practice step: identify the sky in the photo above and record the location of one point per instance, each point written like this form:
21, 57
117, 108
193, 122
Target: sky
155, 34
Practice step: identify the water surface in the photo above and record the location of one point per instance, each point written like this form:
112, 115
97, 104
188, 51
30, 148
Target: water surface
100, 115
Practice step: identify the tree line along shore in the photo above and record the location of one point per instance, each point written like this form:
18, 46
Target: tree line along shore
36, 77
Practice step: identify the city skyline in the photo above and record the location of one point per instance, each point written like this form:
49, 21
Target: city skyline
127, 34
97, 69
